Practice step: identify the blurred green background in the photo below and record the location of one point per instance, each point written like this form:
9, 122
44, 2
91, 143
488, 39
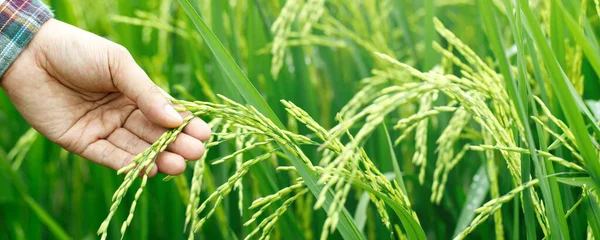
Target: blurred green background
48, 193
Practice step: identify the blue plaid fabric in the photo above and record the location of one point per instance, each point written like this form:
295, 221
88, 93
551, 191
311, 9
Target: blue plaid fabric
19, 21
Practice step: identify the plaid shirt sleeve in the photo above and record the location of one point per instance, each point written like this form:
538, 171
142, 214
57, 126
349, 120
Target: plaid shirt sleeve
19, 21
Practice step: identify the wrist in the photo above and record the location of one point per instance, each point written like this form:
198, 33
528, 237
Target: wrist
43, 41
33, 54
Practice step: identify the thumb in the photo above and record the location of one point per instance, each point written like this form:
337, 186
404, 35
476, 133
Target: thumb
135, 84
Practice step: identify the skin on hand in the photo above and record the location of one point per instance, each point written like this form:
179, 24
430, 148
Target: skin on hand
88, 95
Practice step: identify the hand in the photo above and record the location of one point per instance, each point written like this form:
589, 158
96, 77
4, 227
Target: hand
89, 96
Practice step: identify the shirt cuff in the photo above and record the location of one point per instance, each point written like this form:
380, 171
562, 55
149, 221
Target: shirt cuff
19, 21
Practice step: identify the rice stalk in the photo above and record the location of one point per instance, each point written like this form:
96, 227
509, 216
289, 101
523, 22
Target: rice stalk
492, 206
420, 156
225, 189
597, 2
548, 155
336, 146
333, 27
574, 59
19, 151
239, 160
404, 123
192, 219
494, 186
559, 138
562, 125
310, 14
446, 159
254, 122
281, 29
268, 223
142, 162
373, 114
493, 122
574, 207
473, 104
265, 202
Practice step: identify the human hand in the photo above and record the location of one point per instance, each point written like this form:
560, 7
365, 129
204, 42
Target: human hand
88, 95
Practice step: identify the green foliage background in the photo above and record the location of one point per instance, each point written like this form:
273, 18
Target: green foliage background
54, 194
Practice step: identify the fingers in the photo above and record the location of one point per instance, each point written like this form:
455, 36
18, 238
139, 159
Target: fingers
167, 162
188, 144
107, 154
134, 83
127, 141
199, 129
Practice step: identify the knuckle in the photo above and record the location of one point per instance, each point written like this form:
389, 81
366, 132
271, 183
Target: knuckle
106, 155
152, 89
119, 51
151, 132
132, 144
125, 160
118, 56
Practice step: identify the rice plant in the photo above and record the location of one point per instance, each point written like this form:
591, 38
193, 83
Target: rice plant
366, 119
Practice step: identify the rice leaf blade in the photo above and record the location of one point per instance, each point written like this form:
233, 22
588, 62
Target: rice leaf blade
569, 102
397, 171
591, 52
592, 210
478, 191
53, 226
360, 214
431, 56
549, 187
494, 36
413, 228
577, 181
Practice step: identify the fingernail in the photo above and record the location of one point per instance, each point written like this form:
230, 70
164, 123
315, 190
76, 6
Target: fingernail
172, 113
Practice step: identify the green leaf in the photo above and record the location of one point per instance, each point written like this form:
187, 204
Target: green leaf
550, 191
570, 102
45, 218
42, 215
432, 57
577, 181
346, 226
478, 190
592, 211
492, 30
591, 52
397, 171
412, 228
594, 107
360, 215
